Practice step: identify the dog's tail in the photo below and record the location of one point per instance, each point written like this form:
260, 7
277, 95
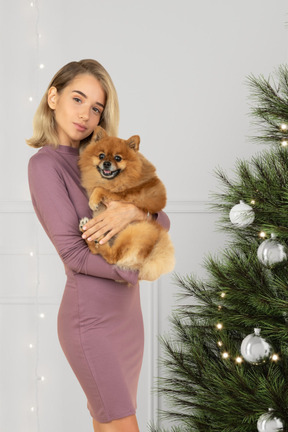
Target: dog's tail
161, 259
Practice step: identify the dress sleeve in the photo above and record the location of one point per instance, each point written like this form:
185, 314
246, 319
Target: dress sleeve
59, 219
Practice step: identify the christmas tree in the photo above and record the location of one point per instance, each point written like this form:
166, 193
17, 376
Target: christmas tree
226, 363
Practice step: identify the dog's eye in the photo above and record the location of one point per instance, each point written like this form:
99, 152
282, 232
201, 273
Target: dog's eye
101, 156
118, 158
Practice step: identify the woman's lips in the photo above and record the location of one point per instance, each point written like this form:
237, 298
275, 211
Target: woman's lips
80, 127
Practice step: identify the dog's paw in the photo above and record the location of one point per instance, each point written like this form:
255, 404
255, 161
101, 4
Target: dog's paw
82, 222
93, 205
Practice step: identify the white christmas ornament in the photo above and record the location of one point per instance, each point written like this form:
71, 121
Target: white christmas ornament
254, 348
271, 252
267, 424
242, 215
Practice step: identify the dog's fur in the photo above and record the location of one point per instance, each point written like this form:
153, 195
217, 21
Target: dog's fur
112, 169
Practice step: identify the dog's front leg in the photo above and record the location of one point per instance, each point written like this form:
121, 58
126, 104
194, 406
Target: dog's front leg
96, 198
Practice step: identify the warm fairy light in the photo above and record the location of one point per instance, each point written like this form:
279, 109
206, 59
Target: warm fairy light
252, 202
32, 409
275, 357
42, 378
284, 143
42, 315
225, 355
31, 254
223, 294
239, 360
219, 343
30, 99
219, 326
31, 346
41, 66
284, 126
219, 307
262, 234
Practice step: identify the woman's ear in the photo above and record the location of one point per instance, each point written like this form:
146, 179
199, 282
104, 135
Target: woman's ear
52, 97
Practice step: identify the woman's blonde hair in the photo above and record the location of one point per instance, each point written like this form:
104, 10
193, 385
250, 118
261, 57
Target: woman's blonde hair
44, 127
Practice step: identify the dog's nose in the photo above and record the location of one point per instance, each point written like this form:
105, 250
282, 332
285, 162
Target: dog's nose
107, 164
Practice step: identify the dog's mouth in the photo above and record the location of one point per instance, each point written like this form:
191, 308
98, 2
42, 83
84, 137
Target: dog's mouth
108, 174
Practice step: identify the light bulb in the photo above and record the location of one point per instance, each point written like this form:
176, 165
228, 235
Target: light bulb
284, 126
41, 66
42, 315
223, 294
239, 360
31, 346
30, 99
262, 234
252, 202
32, 409
31, 254
225, 355
219, 307
275, 357
219, 343
284, 143
219, 326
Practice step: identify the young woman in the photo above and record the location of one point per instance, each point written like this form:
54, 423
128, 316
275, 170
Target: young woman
100, 324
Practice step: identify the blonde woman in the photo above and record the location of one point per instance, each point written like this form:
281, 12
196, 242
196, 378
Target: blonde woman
100, 323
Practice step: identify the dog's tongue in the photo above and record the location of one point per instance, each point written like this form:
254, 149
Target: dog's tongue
107, 172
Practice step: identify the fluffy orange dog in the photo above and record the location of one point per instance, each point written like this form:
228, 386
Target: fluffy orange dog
113, 169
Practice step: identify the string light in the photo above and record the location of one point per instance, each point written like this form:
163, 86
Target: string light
275, 357
223, 294
284, 143
41, 66
220, 343
31, 346
239, 360
252, 201
284, 127
219, 326
219, 307
42, 315
225, 355
262, 234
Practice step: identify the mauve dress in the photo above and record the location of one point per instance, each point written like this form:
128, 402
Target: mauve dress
100, 325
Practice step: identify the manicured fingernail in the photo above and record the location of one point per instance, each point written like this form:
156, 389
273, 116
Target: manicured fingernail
84, 236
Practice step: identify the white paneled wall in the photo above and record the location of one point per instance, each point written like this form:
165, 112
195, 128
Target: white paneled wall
33, 369
180, 70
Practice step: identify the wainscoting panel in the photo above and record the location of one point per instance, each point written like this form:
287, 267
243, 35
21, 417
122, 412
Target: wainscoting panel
38, 390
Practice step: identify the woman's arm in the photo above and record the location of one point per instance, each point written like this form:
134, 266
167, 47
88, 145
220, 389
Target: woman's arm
115, 218
58, 217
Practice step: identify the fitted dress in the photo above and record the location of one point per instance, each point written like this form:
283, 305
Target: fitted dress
100, 325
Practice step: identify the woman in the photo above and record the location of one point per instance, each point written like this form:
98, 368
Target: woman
100, 324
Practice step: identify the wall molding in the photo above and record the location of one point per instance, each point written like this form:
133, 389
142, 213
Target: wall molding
181, 206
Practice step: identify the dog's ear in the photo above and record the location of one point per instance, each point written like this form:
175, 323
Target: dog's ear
134, 142
98, 134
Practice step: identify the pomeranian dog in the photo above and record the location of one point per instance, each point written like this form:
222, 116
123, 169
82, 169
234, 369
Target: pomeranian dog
113, 169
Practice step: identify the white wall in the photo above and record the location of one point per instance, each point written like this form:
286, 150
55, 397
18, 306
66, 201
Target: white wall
180, 70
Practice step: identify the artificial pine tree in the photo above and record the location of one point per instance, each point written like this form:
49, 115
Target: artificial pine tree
226, 365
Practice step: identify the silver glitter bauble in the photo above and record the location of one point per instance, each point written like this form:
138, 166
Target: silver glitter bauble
268, 424
254, 348
242, 215
271, 252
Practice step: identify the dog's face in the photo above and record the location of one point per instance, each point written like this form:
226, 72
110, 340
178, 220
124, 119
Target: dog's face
109, 158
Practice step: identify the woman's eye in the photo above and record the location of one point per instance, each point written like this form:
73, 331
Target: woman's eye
101, 156
76, 99
118, 158
96, 110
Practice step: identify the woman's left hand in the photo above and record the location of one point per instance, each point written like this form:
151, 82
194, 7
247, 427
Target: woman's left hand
113, 220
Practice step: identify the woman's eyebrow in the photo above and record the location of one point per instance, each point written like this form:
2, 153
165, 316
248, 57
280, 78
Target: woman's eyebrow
83, 94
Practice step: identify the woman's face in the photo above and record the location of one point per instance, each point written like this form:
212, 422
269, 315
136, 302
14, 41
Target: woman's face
77, 108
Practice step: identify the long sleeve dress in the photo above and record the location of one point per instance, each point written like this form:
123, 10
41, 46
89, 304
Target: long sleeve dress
100, 325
